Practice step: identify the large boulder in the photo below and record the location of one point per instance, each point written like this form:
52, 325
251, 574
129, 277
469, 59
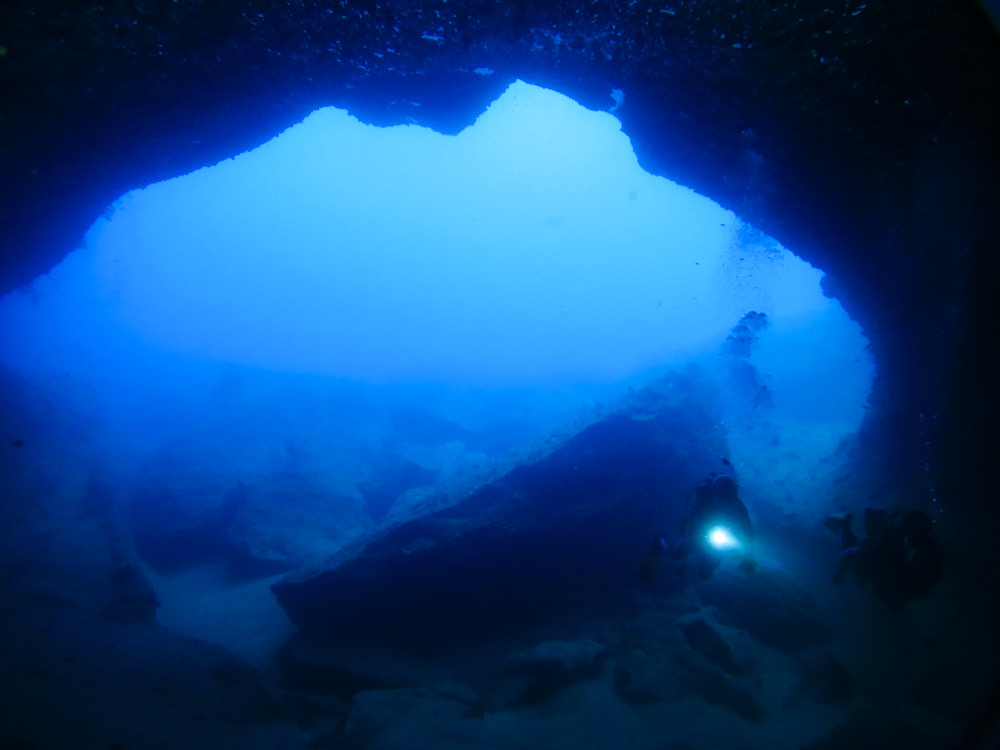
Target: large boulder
713, 645
531, 676
771, 607
269, 524
408, 717
288, 520
563, 530
876, 730
666, 661
343, 669
825, 679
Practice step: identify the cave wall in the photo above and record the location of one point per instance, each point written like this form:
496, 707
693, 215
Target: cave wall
862, 135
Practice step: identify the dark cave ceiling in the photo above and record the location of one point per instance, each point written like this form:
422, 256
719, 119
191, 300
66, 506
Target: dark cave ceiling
861, 134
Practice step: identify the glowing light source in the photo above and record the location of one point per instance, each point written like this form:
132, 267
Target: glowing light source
722, 538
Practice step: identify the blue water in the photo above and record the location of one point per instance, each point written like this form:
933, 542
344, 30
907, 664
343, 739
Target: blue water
272, 357
528, 252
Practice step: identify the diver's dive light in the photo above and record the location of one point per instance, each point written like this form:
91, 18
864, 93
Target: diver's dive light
721, 538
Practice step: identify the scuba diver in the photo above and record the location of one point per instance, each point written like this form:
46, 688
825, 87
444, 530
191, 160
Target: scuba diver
716, 521
901, 557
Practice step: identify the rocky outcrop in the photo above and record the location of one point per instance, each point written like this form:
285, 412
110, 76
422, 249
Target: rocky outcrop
343, 669
425, 717
874, 730
566, 529
771, 607
270, 524
711, 644
825, 679
529, 677
667, 662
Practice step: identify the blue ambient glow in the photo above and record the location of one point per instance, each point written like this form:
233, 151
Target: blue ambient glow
256, 366
530, 249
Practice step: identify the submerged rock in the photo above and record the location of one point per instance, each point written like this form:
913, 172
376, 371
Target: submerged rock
551, 535
419, 714
132, 596
531, 676
381, 494
642, 677
719, 689
710, 643
770, 607
260, 528
344, 669
825, 679
287, 520
878, 730
666, 662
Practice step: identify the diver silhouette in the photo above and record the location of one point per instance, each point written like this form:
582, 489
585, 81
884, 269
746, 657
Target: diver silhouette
901, 556
716, 522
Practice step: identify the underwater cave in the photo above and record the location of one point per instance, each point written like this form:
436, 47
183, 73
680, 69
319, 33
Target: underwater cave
451, 375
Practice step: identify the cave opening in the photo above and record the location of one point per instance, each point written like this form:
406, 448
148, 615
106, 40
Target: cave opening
388, 437
530, 250
350, 317
259, 364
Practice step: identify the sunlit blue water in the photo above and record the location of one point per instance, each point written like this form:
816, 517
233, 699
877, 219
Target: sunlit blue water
530, 251
347, 306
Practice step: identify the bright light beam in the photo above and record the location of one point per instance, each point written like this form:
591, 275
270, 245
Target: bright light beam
722, 538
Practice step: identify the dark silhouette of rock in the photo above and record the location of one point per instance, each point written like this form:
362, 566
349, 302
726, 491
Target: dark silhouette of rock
132, 596
878, 730
175, 529
771, 607
825, 679
425, 711
660, 665
179, 521
342, 669
531, 676
380, 494
641, 677
710, 643
720, 690
553, 534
